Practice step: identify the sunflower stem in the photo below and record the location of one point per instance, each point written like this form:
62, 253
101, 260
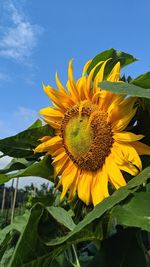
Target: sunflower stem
76, 257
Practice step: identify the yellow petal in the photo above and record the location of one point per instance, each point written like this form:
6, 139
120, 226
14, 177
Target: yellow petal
114, 173
58, 151
59, 84
81, 85
118, 111
99, 186
68, 177
122, 123
71, 85
142, 149
86, 67
130, 168
45, 138
60, 156
100, 75
73, 188
122, 162
115, 103
56, 124
60, 165
106, 100
127, 137
51, 112
84, 187
47, 145
57, 97
90, 76
130, 154
114, 76
75, 98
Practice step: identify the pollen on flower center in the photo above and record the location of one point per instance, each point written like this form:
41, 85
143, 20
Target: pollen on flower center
87, 136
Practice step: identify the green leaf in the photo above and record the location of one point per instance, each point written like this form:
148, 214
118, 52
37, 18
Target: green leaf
134, 213
46, 261
43, 169
104, 206
62, 216
9, 237
16, 164
123, 249
30, 250
142, 80
125, 89
36, 124
116, 56
4, 179
29, 246
47, 200
18, 224
22, 144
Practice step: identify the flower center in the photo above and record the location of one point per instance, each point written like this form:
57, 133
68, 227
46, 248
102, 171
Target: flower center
87, 136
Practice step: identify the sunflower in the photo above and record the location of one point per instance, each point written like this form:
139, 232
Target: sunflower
90, 149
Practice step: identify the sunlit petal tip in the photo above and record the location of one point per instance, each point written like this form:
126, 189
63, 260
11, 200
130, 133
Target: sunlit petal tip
59, 84
70, 65
36, 150
141, 148
44, 86
85, 68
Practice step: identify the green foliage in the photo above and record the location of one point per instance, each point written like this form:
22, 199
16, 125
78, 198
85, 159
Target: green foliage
47, 232
22, 144
106, 205
43, 169
123, 250
115, 56
125, 89
142, 80
16, 164
135, 212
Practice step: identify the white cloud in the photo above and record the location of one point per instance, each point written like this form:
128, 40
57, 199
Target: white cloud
21, 37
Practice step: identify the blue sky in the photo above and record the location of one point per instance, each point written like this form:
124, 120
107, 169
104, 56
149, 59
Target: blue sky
39, 37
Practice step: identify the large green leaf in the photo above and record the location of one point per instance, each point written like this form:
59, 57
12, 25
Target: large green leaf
125, 89
62, 216
121, 250
4, 179
43, 169
116, 56
18, 224
9, 237
134, 213
104, 206
16, 164
46, 261
143, 80
30, 250
22, 144
139, 179
36, 124
29, 246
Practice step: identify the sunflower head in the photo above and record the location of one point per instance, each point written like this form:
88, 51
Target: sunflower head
91, 148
